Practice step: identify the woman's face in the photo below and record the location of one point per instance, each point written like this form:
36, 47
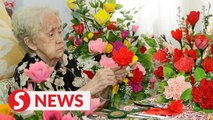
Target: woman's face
49, 42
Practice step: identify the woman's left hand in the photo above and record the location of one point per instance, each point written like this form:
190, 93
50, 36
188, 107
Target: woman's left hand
120, 73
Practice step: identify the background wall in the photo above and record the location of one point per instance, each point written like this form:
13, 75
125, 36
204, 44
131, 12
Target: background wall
155, 16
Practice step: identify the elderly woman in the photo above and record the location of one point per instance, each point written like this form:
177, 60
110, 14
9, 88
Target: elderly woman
39, 32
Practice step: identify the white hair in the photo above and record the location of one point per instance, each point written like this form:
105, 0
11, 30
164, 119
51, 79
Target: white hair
27, 22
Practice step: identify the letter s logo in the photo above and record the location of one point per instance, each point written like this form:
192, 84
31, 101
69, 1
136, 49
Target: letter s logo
19, 100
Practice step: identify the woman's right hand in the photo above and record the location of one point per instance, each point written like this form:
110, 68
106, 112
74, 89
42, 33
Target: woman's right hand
102, 79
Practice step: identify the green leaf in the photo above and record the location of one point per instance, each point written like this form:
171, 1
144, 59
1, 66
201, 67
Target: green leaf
151, 51
198, 53
118, 6
128, 24
111, 37
75, 21
151, 42
34, 117
92, 4
133, 49
197, 108
129, 17
209, 36
186, 95
112, 1
64, 26
199, 74
161, 99
145, 60
76, 15
168, 72
207, 111
119, 20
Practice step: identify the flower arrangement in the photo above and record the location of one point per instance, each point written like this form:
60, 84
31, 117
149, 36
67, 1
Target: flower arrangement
185, 72
39, 72
98, 41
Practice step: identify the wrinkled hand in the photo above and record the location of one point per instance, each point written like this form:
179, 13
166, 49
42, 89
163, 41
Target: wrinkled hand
102, 79
120, 73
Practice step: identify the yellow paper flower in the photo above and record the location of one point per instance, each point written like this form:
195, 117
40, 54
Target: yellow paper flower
5, 109
70, 47
85, 39
127, 43
109, 7
102, 17
126, 81
90, 35
134, 60
108, 48
115, 89
71, 4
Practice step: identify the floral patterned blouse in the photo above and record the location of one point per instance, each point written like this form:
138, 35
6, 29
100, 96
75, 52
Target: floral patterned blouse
67, 75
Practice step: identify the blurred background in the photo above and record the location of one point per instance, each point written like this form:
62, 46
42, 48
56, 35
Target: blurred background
154, 17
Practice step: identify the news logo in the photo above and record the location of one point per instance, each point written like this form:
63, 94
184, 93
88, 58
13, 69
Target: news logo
20, 100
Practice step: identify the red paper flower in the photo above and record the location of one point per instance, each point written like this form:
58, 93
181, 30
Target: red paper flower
202, 94
188, 38
143, 49
123, 57
191, 53
208, 64
90, 74
111, 26
192, 80
159, 72
184, 64
78, 28
193, 17
211, 49
176, 106
160, 56
97, 34
201, 41
137, 75
177, 55
177, 34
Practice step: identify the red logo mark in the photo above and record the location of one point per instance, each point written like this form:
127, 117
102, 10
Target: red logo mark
19, 100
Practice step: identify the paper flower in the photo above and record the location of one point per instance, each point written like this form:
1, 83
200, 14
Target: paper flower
101, 17
176, 86
38, 72
123, 57
107, 62
109, 7
52, 115
68, 116
97, 46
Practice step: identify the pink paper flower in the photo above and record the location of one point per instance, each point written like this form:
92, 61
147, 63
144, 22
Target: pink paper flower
52, 115
107, 62
97, 46
140, 67
135, 28
6, 117
94, 104
38, 72
69, 117
176, 86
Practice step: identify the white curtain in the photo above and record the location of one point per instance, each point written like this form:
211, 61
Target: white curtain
160, 16
155, 16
